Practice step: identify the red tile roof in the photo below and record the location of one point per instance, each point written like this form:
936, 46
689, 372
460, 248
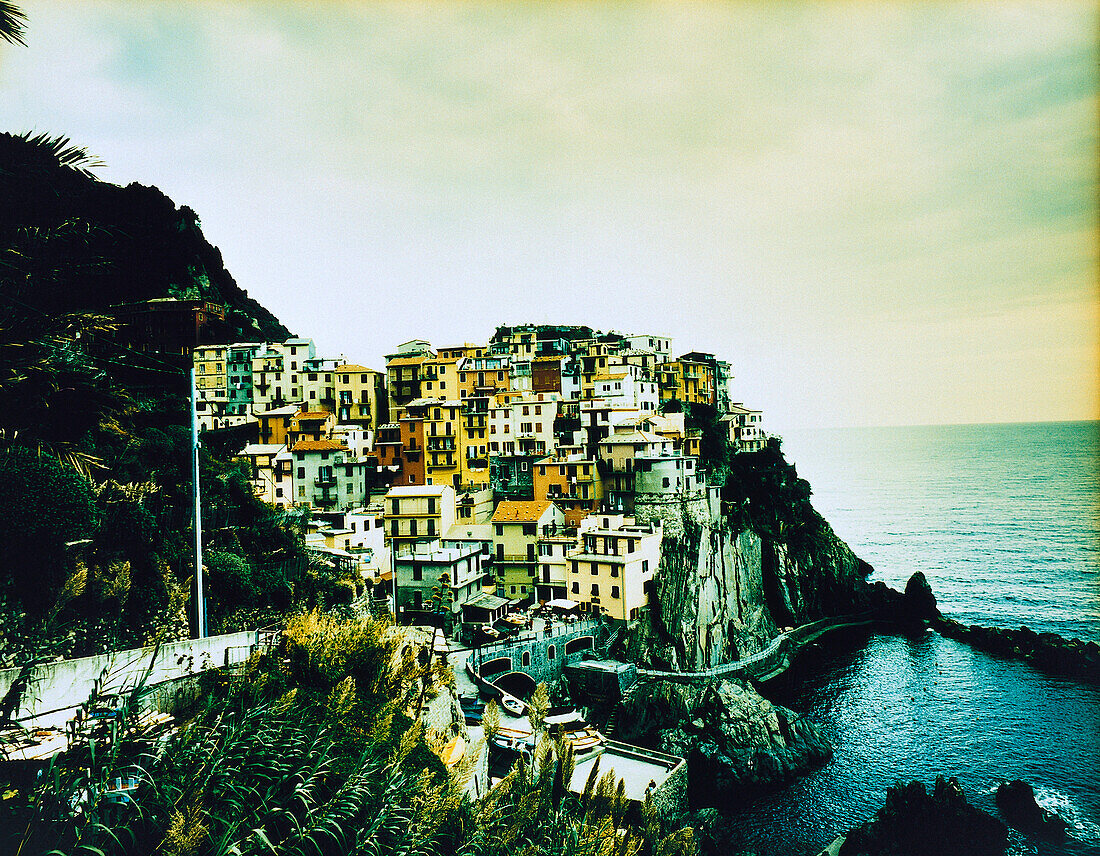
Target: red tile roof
318, 446
512, 511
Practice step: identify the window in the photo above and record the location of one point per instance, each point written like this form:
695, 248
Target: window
418, 572
551, 652
431, 505
412, 526
500, 528
513, 589
528, 528
615, 591
576, 587
525, 660
395, 529
595, 589
301, 472
431, 524
645, 566
664, 482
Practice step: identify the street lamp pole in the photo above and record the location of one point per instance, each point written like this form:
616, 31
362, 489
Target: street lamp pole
200, 600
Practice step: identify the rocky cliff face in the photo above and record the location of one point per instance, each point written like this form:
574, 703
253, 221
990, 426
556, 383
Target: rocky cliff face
722, 592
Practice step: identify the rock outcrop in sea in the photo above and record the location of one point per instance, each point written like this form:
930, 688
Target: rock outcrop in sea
1047, 651
914, 822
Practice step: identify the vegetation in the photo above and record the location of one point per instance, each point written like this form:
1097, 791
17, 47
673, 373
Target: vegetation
98, 432
317, 748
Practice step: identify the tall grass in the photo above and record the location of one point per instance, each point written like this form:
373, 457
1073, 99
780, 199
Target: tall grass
316, 749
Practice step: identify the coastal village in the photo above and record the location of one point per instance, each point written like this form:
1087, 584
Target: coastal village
468, 480
512, 495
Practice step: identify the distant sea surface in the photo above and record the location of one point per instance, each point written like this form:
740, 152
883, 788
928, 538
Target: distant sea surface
1004, 520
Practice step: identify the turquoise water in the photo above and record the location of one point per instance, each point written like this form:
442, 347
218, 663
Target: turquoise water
1003, 519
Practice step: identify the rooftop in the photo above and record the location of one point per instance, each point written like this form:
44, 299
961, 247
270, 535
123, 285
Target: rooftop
288, 410
637, 767
514, 511
319, 446
262, 449
313, 414
352, 367
418, 490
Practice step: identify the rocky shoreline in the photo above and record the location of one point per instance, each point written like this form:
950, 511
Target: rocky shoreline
1047, 651
736, 742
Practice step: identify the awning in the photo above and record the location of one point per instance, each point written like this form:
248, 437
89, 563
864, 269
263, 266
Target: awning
562, 603
488, 602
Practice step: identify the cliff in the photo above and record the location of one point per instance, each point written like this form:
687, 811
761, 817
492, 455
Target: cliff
723, 591
73, 244
733, 574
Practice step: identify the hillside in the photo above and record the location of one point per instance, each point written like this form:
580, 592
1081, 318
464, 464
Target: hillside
73, 243
96, 430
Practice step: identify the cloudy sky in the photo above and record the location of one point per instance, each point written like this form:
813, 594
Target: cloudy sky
879, 213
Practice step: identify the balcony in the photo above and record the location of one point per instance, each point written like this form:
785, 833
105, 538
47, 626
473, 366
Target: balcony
325, 479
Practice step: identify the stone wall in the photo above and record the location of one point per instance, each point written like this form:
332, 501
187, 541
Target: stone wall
537, 648
56, 690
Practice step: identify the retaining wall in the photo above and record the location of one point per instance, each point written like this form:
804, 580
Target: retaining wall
539, 664
56, 690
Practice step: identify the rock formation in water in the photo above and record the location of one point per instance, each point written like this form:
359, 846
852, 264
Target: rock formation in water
1047, 651
914, 822
1016, 801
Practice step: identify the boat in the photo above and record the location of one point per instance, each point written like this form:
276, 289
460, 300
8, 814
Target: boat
453, 751
583, 739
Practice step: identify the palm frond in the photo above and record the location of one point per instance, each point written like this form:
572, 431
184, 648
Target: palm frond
62, 149
13, 23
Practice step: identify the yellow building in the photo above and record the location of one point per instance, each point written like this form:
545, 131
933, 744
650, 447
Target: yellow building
517, 527
359, 395
612, 570
469, 349
211, 378
403, 381
473, 442
439, 378
413, 513
442, 455
687, 380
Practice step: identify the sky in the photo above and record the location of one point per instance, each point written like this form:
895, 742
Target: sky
879, 213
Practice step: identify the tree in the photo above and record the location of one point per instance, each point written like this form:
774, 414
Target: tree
490, 719
47, 509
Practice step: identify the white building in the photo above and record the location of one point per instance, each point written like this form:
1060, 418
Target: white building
328, 476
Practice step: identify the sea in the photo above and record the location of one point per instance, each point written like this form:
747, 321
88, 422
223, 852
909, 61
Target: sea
1004, 520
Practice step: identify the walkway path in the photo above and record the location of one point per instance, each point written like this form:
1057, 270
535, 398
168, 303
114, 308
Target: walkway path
770, 661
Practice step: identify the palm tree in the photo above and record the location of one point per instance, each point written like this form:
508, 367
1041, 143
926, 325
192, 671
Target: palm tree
12, 23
